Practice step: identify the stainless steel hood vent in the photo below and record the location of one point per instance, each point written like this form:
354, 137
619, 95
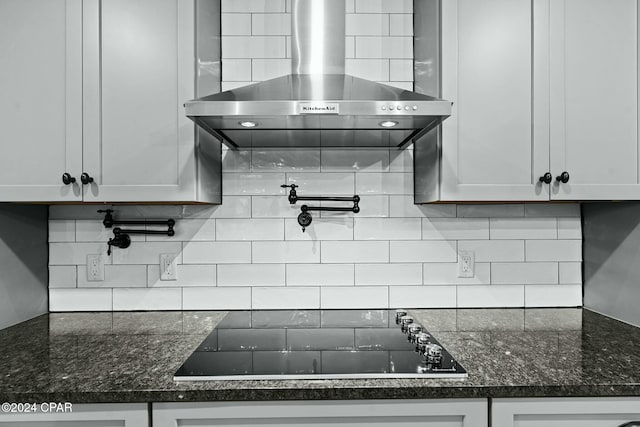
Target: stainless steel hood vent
318, 105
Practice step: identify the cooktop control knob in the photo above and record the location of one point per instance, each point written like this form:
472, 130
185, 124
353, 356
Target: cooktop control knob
433, 353
414, 330
400, 313
405, 321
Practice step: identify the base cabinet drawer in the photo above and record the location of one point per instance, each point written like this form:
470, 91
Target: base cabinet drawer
79, 415
566, 412
352, 413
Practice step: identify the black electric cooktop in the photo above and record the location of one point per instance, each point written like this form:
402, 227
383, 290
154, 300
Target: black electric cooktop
319, 344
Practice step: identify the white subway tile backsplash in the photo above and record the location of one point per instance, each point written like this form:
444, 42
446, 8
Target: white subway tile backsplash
401, 160
366, 24
285, 298
446, 273
273, 207
62, 231
423, 251
236, 70
524, 273
253, 6
552, 209
524, 228
129, 299
355, 160
388, 274
236, 160
216, 252
554, 250
285, 252
320, 274
253, 47
115, 276
384, 47
322, 184
506, 210
569, 228
255, 184
455, 229
553, 295
401, 70
269, 68
233, 207
384, 6
494, 250
186, 230
271, 24
62, 276
235, 24
384, 183
74, 253
403, 206
490, 296
422, 297
387, 229
251, 275
354, 297
187, 275
286, 160
370, 207
349, 47
95, 231
80, 299
570, 272
327, 228
355, 252
401, 24
146, 252
216, 298
249, 229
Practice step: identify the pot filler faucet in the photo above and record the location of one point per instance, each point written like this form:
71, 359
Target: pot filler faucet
304, 219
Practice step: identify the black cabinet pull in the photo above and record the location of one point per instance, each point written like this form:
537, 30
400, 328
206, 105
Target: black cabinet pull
546, 178
86, 178
563, 177
631, 424
67, 178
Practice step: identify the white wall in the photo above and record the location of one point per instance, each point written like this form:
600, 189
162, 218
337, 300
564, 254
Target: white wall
250, 252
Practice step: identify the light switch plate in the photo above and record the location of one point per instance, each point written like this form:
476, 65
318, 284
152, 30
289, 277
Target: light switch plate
168, 267
95, 268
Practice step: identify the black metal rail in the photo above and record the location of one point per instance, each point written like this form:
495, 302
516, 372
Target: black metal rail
304, 219
121, 237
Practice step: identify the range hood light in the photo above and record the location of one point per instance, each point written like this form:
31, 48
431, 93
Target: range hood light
248, 124
388, 124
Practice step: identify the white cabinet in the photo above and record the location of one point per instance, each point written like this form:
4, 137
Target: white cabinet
539, 86
97, 87
41, 99
85, 415
423, 413
566, 412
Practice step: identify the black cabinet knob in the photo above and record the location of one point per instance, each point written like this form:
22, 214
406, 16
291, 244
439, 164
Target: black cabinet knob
67, 178
546, 178
85, 178
563, 177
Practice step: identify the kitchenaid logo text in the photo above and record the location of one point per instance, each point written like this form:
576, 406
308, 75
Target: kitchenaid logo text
318, 108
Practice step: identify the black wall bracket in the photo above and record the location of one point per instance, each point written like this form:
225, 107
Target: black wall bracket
121, 237
304, 219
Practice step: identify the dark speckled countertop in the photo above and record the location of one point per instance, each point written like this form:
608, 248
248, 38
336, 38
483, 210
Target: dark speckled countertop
131, 357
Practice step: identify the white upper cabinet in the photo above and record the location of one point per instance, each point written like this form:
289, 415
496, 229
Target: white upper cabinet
96, 89
594, 98
41, 99
539, 86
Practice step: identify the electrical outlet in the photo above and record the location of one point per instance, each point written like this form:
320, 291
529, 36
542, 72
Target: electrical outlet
95, 268
466, 261
168, 267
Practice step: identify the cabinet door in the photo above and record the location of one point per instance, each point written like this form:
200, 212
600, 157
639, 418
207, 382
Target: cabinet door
41, 101
85, 415
407, 413
138, 72
594, 98
565, 412
493, 71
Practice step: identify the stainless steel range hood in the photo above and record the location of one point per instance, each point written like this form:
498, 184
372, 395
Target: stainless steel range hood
318, 105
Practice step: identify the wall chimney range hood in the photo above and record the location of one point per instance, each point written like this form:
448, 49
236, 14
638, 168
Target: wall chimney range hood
317, 105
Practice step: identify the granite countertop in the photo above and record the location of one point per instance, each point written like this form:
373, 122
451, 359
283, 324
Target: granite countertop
131, 357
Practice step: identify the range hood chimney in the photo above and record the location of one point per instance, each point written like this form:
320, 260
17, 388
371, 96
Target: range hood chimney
318, 105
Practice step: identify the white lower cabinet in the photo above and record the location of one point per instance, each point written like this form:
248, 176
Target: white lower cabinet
352, 413
566, 412
81, 415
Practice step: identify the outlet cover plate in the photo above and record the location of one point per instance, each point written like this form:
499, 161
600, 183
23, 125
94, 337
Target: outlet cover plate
466, 264
168, 267
95, 268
